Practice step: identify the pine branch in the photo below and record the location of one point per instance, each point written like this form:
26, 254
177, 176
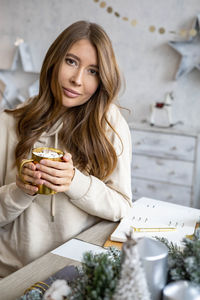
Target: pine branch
184, 264
99, 277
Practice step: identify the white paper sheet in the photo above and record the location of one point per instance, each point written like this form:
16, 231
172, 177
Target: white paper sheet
74, 249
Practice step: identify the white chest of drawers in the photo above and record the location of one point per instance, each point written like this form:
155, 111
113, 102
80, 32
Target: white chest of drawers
166, 165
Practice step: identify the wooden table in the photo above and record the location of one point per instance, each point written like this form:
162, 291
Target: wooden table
14, 285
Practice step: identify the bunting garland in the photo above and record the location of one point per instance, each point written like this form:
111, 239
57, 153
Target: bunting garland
152, 29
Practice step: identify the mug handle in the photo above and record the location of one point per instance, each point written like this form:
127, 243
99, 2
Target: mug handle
24, 161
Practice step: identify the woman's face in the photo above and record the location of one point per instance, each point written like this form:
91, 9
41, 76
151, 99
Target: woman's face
78, 74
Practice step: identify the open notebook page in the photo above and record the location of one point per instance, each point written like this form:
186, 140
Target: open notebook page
151, 213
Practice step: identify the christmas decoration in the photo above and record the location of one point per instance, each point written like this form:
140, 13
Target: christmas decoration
54, 286
132, 284
34, 89
58, 290
139, 272
184, 264
32, 295
23, 54
189, 50
158, 108
134, 22
99, 276
10, 93
154, 256
181, 290
2, 89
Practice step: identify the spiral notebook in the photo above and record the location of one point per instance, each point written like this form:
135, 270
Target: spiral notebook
148, 213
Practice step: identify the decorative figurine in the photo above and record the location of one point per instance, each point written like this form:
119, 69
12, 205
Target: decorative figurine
166, 105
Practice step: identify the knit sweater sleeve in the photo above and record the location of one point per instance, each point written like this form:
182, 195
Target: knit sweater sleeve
109, 199
13, 201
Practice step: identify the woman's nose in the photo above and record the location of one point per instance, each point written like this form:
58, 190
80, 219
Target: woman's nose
77, 77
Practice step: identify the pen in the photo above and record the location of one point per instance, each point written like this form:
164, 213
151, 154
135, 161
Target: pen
153, 229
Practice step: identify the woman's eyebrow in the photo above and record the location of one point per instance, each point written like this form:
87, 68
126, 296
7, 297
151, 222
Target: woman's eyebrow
74, 56
77, 58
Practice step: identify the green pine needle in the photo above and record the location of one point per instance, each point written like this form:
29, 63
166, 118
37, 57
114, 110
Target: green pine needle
184, 264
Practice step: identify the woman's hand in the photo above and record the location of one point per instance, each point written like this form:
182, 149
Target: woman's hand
30, 178
57, 175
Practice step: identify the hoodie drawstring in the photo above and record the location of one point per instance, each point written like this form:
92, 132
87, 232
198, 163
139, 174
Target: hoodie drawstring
52, 207
52, 210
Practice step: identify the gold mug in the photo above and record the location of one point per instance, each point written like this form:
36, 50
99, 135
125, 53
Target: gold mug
37, 155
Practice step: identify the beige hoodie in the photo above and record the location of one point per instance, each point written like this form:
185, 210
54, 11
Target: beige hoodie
26, 230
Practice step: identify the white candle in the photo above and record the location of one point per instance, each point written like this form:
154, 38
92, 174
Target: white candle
181, 290
154, 255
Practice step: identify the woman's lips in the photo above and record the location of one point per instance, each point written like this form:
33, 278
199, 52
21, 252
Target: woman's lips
70, 93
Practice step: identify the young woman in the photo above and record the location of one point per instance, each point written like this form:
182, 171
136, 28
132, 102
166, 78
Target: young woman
75, 112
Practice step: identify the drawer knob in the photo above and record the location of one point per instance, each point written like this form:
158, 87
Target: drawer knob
135, 167
173, 148
151, 187
159, 162
172, 173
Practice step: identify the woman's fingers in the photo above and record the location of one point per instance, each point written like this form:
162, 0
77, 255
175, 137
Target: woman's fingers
67, 157
44, 170
57, 180
32, 180
30, 175
57, 176
58, 165
56, 168
30, 166
25, 187
57, 188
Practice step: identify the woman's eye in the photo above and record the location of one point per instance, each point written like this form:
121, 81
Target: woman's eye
70, 61
93, 72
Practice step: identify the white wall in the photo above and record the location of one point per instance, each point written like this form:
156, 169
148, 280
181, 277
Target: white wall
147, 62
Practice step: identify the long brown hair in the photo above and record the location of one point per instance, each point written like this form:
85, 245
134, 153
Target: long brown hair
84, 127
